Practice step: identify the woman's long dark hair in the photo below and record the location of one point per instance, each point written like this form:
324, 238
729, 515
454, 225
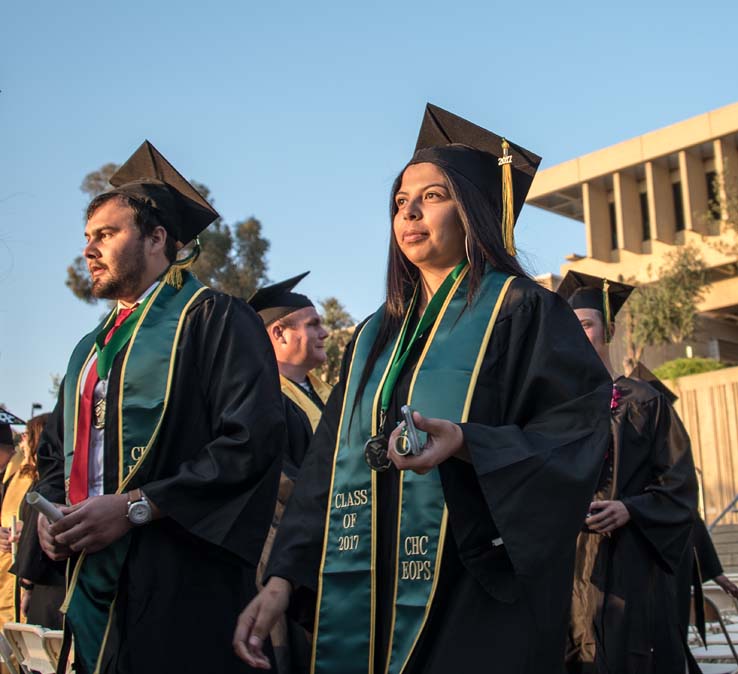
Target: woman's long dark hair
34, 428
482, 223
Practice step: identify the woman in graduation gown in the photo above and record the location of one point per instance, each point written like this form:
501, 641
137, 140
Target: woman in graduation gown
460, 557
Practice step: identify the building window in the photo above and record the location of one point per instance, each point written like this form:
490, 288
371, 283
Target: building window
676, 191
713, 195
645, 219
613, 227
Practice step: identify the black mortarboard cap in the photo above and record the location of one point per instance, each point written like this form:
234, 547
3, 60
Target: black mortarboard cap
583, 291
148, 176
640, 371
277, 301
501, 170
6, 420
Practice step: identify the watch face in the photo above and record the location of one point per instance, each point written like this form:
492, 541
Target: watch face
139, 512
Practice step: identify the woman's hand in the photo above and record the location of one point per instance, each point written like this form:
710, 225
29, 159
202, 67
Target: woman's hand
445, 439
257, 620
5, 539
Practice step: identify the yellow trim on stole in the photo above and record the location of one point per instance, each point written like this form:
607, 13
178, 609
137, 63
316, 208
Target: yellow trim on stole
374, 503
423, 354
464, 417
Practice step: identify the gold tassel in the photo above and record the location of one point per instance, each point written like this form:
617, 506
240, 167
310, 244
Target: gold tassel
508, 214
174, 274
606, 307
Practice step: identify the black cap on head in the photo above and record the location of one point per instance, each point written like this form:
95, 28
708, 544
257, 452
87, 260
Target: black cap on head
6, 420
501, 170
640, 371
277, 301
148, 176
583, 291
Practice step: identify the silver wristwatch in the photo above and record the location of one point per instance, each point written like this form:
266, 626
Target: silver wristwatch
139, 509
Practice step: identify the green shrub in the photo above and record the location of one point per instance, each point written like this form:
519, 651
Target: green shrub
681, 367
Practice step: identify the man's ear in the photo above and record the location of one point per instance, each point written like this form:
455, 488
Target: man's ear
276, 333
158, 239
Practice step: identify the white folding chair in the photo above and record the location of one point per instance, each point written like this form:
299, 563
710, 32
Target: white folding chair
6, 653
725, 650
53, 640
29, 641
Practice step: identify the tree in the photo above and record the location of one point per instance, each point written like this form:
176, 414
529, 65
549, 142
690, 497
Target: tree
665, 311
340, 326
232, 259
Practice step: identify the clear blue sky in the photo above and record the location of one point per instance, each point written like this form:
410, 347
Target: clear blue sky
301, 114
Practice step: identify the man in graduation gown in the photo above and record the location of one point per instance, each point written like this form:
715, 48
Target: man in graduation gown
624, 609
297, 336
166, 441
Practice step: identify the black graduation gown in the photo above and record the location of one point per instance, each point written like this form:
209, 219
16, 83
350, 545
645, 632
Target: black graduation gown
625, 612
214, 474
299, 435
538, 429
699, 564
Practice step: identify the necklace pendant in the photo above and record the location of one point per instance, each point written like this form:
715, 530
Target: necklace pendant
375, 453
99, 414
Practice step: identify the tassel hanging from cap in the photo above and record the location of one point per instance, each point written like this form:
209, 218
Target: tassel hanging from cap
174, 274
606, 309
508, 214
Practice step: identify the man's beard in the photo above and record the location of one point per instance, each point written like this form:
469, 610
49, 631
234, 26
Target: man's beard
125, 277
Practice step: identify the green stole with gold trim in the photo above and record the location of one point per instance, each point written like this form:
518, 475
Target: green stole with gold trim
145, 383
442, 387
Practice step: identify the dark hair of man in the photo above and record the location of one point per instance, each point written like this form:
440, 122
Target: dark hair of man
481, 220
34, 428
146, 217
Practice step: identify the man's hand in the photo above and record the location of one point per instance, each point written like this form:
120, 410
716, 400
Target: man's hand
49, 545
25, 602
92, 524
727, 585
15, 537
257, 620
445, 439
607, 516
5, 539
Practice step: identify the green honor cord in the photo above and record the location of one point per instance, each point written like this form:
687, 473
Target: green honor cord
427, 320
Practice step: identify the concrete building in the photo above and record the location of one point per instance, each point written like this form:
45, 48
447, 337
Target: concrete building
640, 199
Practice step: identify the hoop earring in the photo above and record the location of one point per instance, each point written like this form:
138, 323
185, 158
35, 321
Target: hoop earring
466, 248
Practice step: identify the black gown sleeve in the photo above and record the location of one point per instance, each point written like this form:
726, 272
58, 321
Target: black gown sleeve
664, 511
540, 427
707, 556
50, 454
220, 491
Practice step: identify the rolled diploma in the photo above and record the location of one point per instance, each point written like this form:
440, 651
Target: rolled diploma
44, 506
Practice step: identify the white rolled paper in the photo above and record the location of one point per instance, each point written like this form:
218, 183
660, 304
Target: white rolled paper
44, 506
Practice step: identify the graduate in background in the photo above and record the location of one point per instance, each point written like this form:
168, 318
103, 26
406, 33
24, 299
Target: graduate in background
14, 486
624, 612
166, 442
459, 558
700, 562
297, 336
